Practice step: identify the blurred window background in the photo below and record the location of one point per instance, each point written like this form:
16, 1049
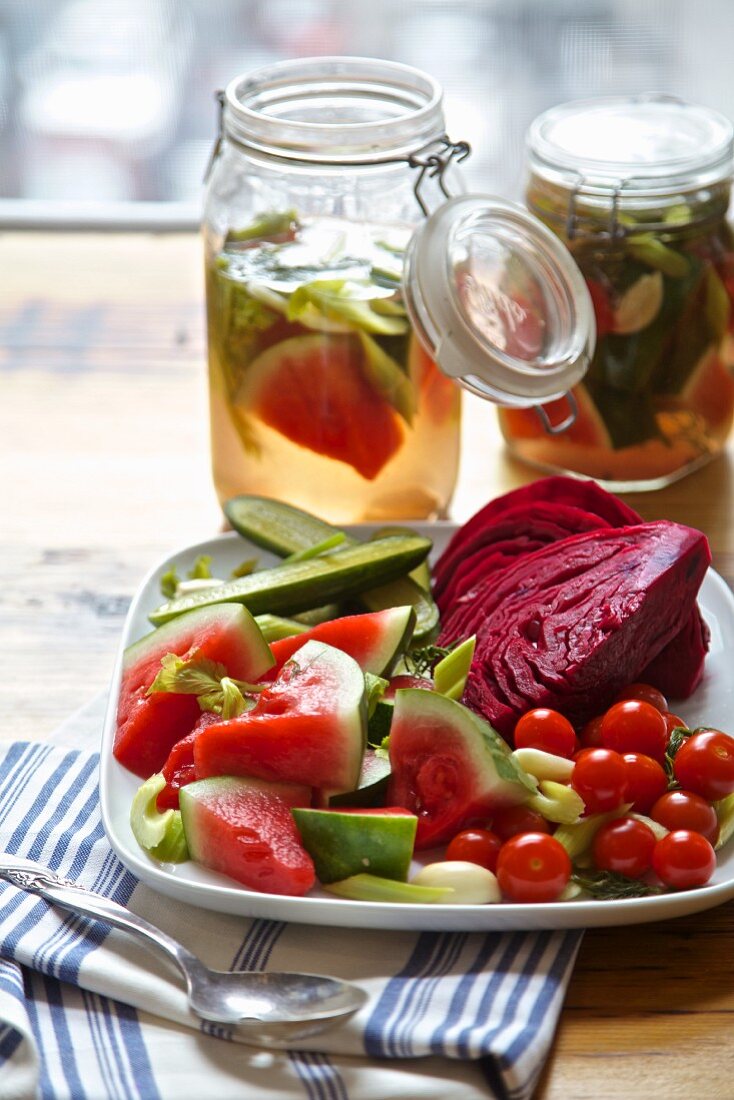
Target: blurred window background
107, 109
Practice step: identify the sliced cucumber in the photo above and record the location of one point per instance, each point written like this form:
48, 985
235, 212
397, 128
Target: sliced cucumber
422, 574
342, 844
284, 530
287, 589
275, 627
276, 526
404, 592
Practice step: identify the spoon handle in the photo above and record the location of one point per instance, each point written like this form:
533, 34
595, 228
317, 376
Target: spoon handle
37, 879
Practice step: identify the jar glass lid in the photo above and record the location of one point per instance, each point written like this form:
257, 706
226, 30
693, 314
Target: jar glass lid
651, 142
498, 301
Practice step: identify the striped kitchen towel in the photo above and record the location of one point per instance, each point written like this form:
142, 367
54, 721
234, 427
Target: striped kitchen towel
87, 1013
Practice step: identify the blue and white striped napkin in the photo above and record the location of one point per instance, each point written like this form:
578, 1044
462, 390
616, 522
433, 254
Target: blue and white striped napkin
87, 1014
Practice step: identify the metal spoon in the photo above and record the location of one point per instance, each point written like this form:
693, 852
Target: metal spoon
272, 1008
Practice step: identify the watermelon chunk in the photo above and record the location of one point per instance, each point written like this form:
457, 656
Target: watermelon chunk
308, 727
375, 640
243, 828
179, 768
449, 767
315, 391
148, 726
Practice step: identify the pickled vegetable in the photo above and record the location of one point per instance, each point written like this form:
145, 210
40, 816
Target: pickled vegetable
316, 377
658, 398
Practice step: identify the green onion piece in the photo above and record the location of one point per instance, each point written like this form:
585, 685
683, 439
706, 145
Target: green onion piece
201, 569
449, 675
276, 627
557, 802
374, 690
169, 583
387, 377
717, 306
578, 838
680, 214
725, 813
270, 224
245, 568
318, 548
346, 301
650, 251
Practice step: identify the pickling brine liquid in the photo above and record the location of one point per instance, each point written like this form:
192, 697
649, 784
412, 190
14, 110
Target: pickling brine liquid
320, 393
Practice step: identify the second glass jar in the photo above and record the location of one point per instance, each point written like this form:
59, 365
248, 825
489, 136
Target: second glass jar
638, 189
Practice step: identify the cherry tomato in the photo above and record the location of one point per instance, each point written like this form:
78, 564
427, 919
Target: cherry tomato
547, 730
704, 764
475, 846
590, 736
600, 777
634, 726
624, 845
518, 819
685, 810
672, 721
646, 693
683, 859
533, 867
646, 781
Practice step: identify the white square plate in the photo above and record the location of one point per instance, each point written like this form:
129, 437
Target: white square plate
712, 704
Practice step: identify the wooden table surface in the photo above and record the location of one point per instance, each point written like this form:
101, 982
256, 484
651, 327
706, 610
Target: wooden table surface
104, 467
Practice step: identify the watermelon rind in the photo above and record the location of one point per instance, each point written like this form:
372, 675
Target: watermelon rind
309, 726
376, 640
372, 787
167, 637
243, 828
148, 725
427, 726
488, 755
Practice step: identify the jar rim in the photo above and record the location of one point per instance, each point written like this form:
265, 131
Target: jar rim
267, 110
642, 145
